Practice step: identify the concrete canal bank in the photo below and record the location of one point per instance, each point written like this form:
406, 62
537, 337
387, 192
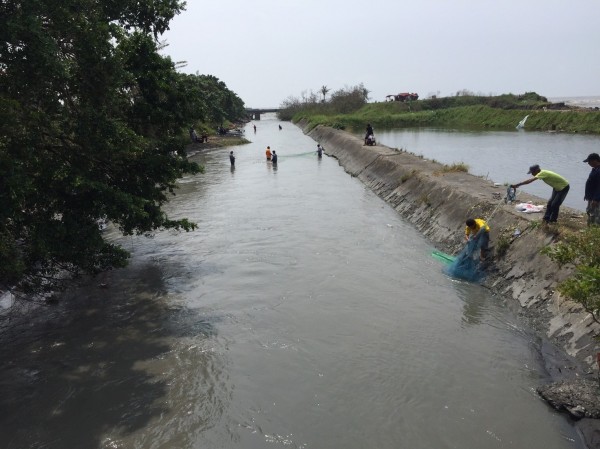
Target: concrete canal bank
438, 202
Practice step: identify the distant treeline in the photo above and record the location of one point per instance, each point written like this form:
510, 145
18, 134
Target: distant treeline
461, 111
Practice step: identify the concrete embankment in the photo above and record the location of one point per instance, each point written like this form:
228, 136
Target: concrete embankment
438, 203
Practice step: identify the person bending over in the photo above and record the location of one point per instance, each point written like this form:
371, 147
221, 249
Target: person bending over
560, 188
478, 230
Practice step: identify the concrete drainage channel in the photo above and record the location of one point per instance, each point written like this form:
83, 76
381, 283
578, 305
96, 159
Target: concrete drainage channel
437, 203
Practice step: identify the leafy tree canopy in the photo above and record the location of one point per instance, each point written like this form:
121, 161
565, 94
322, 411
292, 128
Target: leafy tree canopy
581, 251
91, 120
342, 101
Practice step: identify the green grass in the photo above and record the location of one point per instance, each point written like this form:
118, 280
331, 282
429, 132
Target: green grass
502, 245
396, 115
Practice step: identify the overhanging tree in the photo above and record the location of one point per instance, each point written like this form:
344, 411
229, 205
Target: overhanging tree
90, 129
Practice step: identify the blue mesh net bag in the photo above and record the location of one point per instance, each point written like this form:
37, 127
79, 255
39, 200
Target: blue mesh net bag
466, 264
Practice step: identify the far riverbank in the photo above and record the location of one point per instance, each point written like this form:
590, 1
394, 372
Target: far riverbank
502, 112
503, 157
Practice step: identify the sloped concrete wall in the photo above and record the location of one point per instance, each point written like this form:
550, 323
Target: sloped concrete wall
438, 204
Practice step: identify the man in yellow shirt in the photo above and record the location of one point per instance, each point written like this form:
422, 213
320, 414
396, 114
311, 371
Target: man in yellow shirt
478, 230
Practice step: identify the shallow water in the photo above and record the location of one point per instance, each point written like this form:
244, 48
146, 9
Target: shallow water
302, 313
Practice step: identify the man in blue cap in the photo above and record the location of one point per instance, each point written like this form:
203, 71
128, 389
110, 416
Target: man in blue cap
592, 190
560, 188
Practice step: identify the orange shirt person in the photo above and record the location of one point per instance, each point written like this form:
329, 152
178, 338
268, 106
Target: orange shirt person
268, 152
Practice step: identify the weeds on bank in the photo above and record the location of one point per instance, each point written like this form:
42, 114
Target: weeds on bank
454, 168
505, 238
502, 244
572, 223
424, 198
460, 167
566, 225
406, 176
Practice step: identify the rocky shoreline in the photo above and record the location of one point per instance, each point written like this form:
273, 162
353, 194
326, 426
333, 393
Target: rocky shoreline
437, 202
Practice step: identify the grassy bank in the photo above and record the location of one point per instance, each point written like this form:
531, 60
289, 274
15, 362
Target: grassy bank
479, 116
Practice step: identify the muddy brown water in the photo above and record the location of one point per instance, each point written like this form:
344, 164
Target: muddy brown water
302, 313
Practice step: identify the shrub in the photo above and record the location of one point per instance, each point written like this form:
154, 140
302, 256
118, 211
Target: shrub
460, 167
582, 251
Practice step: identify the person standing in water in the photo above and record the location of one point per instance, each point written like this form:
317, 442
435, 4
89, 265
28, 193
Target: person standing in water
319, 151
232, 158
274, 158
268, 153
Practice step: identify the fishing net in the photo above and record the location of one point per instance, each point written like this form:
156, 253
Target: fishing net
511, 195
466, 264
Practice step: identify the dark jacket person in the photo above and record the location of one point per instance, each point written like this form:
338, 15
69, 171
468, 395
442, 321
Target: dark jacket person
592, 190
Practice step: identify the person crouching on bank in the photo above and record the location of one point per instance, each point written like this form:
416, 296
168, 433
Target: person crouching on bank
478, 230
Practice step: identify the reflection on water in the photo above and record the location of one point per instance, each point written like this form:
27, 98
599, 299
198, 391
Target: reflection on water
303, 312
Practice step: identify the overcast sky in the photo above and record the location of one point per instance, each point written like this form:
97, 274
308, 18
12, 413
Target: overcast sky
269, 50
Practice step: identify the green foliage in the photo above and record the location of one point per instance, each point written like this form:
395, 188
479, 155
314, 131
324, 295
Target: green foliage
529, 100
209, 100
583, 251
535, 224
457, 167
342, 101
464, 111
91, 121
502, 245
584, 288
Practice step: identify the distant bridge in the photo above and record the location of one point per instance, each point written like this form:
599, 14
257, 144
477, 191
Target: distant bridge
254, 114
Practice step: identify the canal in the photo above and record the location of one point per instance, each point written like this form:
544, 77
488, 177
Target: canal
303, 312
